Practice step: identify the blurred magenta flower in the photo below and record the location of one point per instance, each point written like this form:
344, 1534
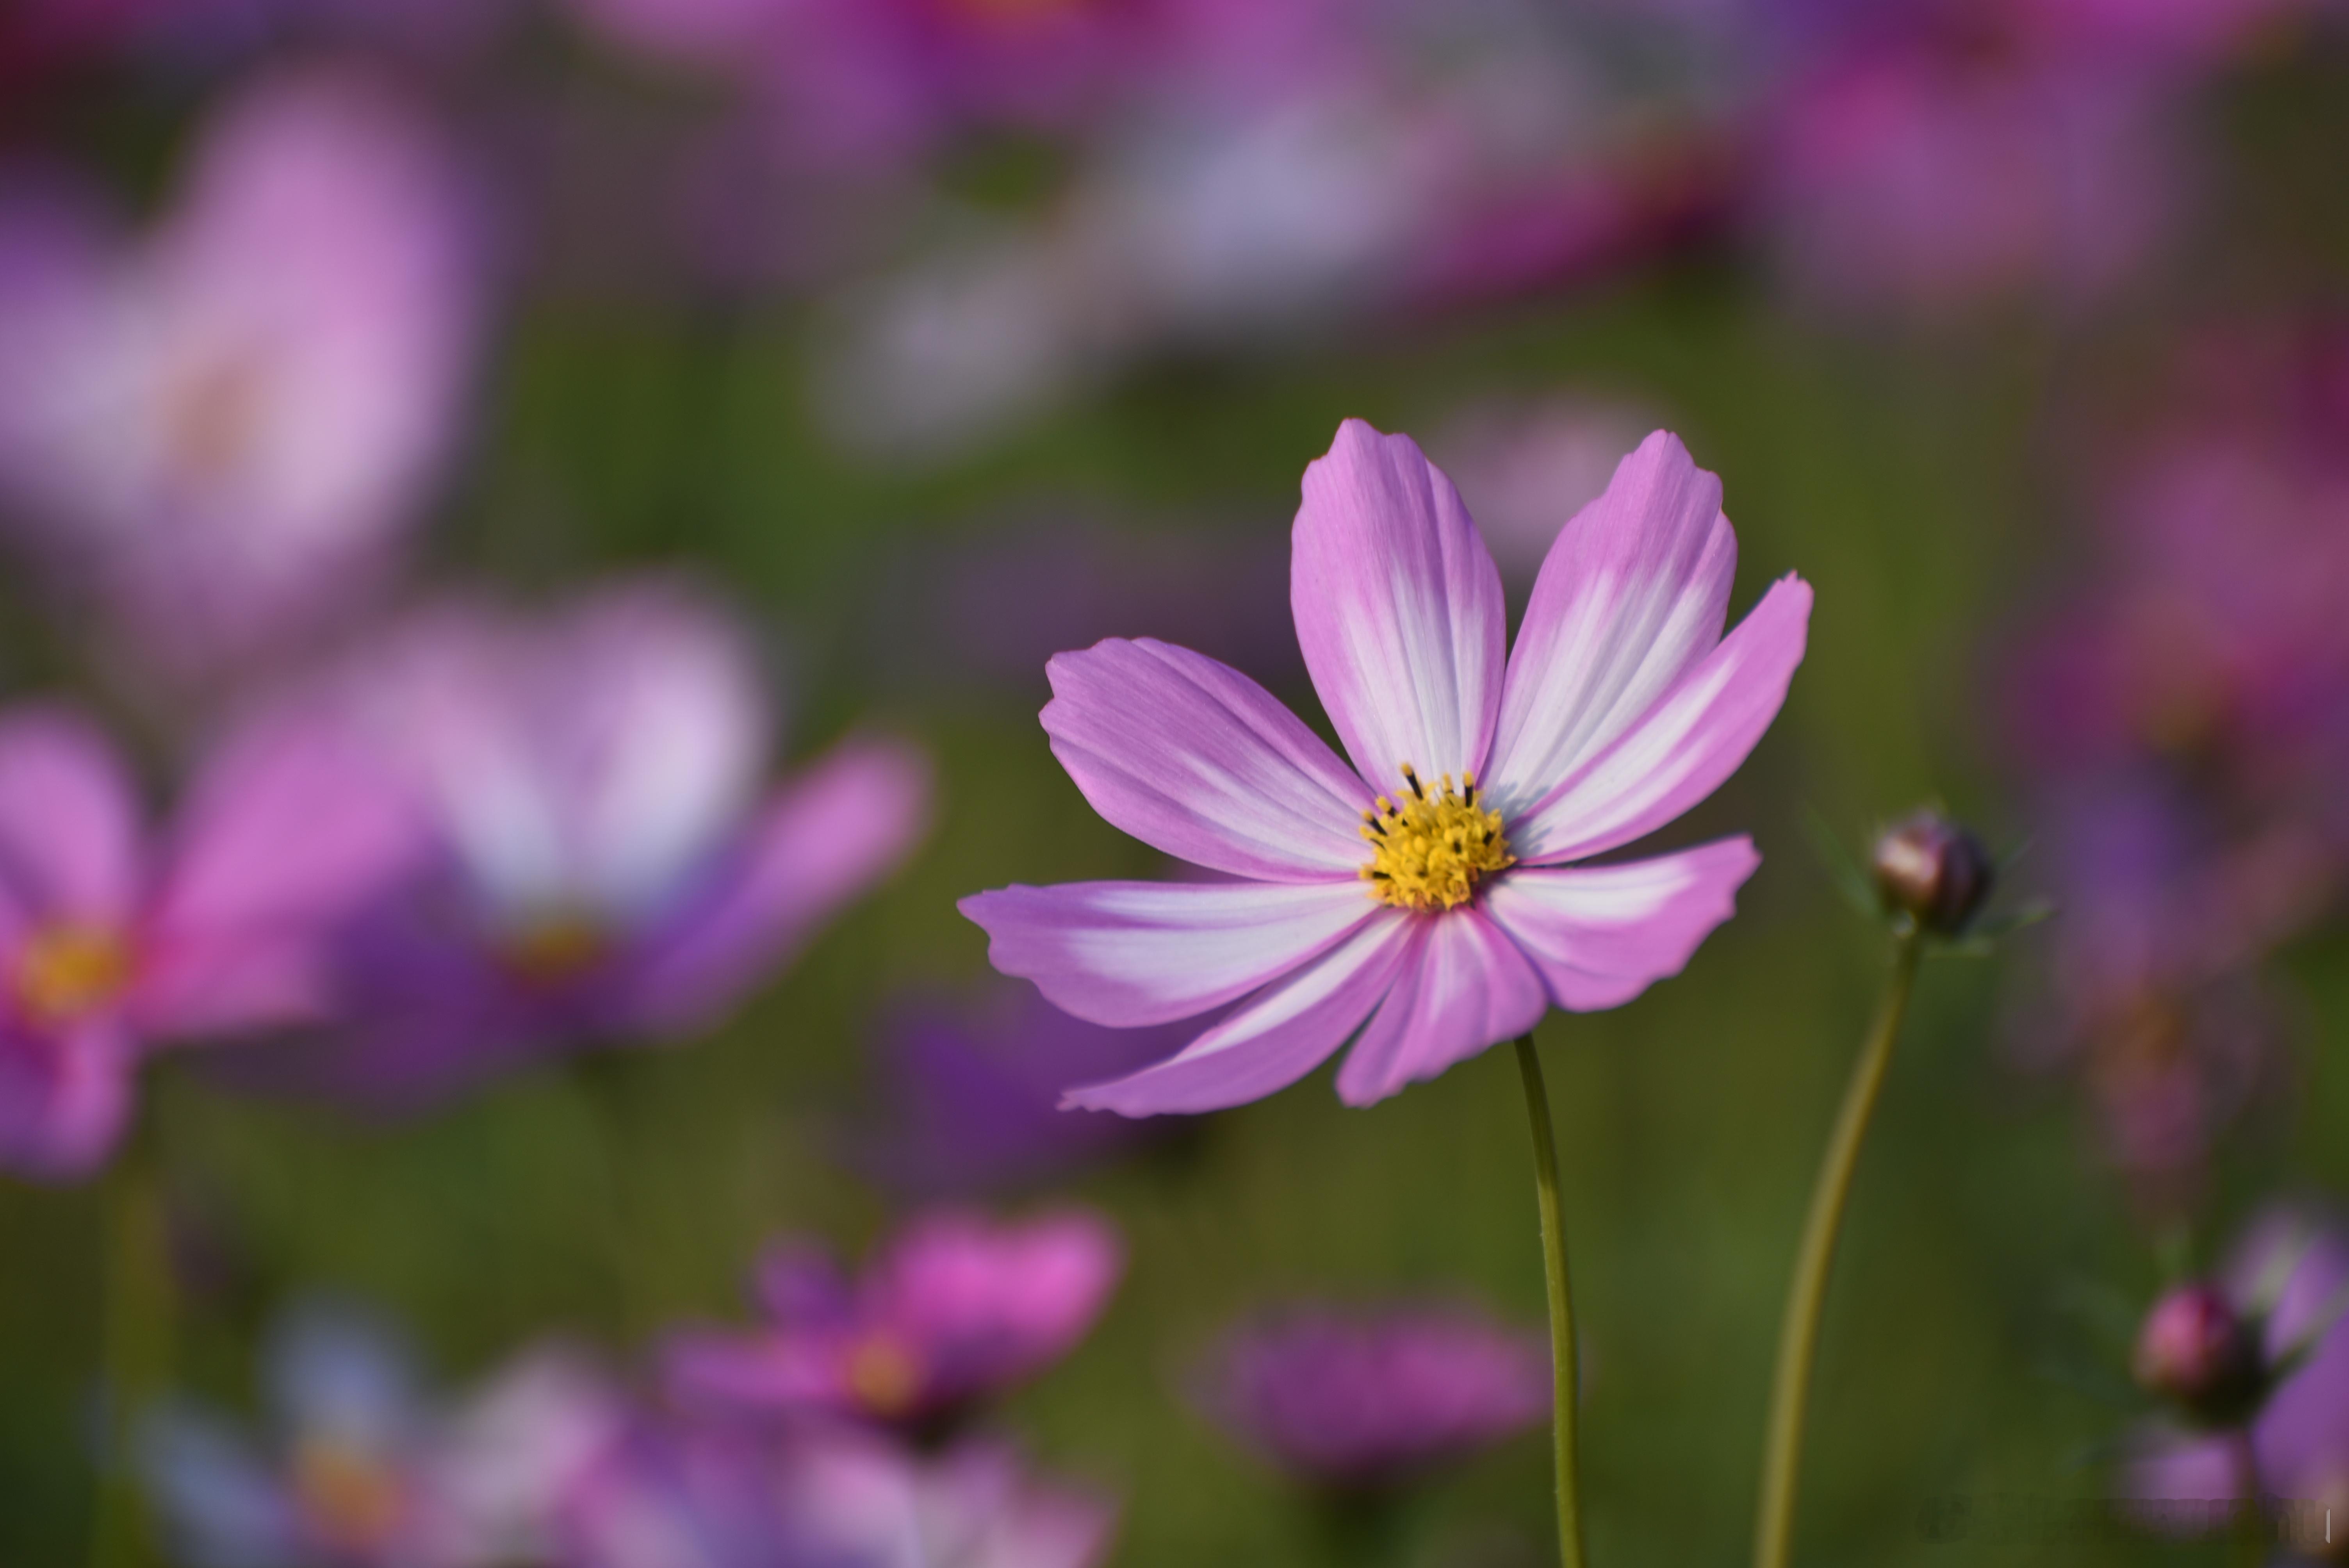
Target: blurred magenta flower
1424, 897
2300, 1440
361, 1470
953, 1310
2155, 1000
2207, 632
1361, 1400
115, 942
968, 1097
221, 429
1933, 173
875, 83
2210, 32
703, 1498
606, 870
1396, 187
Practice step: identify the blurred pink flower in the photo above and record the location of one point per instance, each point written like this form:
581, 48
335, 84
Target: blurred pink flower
2208, 631
2210, 32
1927, 174
1453, 921
606, 870
876, 82
114, 942
2301, 1438
699, 1497
221, 429
1360, 1400
360, 1469
953, 1310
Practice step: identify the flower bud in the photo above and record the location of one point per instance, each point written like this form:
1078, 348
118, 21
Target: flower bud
2197, 1350
1933, 870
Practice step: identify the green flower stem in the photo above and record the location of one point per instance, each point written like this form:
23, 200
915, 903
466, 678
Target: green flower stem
136, 1324
1798, 1336
2250, 1518
608, 1078
1563, 1367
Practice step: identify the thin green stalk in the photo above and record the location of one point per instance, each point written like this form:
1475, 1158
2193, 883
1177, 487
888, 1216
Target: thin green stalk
1798, 1336
1563, 1367
611, 1087
2250, 1518
136, 1326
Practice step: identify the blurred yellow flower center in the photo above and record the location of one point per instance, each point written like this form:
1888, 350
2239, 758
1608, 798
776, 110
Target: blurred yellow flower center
346, 1496
553, 947
65, 970
215, 414
1429, 852
884, 1375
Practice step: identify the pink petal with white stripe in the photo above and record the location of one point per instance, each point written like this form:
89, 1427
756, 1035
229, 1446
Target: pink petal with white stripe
1684, 748
1398, 608
1274, 1039
824, 838
1131, 953
1464, 987
1193, 757
1632, 595
1599, 935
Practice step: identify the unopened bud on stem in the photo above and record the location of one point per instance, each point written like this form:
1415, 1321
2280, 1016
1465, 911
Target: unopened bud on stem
2198, 1351
1933, 870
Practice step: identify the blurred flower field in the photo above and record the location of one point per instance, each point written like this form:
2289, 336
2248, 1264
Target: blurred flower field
534, 532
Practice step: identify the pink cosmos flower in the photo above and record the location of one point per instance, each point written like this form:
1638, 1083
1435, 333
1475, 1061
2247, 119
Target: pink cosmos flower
875, 83
1921, 176
219, 431
1428, 899
953, 1310
2301, 1437
605, 868
1361, 1400
114, 944
360, 1468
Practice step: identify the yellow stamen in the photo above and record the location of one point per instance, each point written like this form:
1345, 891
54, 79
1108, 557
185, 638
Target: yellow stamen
554, 947
884, 1375
347, 1496
67, 971
1429, 852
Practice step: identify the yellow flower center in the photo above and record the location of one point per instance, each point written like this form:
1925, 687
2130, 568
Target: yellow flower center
1429, 852
349, 1497
553, 947
67, 971
884, 1375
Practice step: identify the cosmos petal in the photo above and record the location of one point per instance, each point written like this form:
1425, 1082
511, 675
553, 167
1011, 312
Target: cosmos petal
1684, 747
1194, 759
1131, 953
69, 832
825, 838
1633, 594
64, 1098
1398, 607
1462, 987
1278, 1035
1599, 935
